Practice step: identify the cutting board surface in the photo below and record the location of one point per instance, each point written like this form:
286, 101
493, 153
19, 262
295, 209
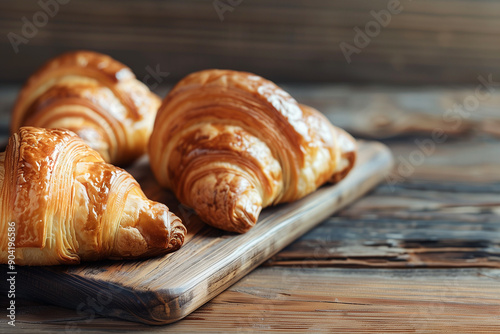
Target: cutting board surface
167, 288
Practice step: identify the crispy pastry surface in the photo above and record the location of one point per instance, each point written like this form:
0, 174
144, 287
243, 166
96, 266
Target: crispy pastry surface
67, 205
230, 143
94, 96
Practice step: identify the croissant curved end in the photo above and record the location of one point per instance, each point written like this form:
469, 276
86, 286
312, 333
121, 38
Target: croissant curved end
246, 213
154, 231
226, 201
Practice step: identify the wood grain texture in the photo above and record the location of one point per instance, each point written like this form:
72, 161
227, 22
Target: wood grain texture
312, 300
392, 112
373, 112
444, 213
166, 289
404, 228
430, 41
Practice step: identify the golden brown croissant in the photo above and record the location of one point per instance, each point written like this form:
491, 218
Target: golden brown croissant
66, 205
94, 96
230, 143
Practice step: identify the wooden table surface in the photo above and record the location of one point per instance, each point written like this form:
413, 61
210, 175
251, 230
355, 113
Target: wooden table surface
420, 253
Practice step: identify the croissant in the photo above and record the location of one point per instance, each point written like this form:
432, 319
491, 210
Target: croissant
94, 96
60, 203
230, 143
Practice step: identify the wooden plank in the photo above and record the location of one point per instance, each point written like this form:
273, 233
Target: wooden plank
471, 161
387, 112
316, 300
374, 111
430, 41
397, 230
168, 288
444, 213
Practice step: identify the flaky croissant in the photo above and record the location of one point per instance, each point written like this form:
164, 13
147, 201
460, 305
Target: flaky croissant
60, 203
230, 143
94, 96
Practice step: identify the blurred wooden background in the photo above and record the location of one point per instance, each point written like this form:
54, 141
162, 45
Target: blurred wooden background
433, 217
430, 41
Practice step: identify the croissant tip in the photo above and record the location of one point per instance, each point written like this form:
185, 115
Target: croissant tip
246, 215
177, 236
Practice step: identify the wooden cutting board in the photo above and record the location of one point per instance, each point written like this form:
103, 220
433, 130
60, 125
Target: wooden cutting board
167, 288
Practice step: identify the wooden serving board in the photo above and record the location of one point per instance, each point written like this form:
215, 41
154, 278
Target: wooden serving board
167, 288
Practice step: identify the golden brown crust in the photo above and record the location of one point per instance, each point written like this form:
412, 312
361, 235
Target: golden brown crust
68, 205
230, 143
96, 97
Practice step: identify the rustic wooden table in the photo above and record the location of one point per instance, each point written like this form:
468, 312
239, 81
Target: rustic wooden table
420, 253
